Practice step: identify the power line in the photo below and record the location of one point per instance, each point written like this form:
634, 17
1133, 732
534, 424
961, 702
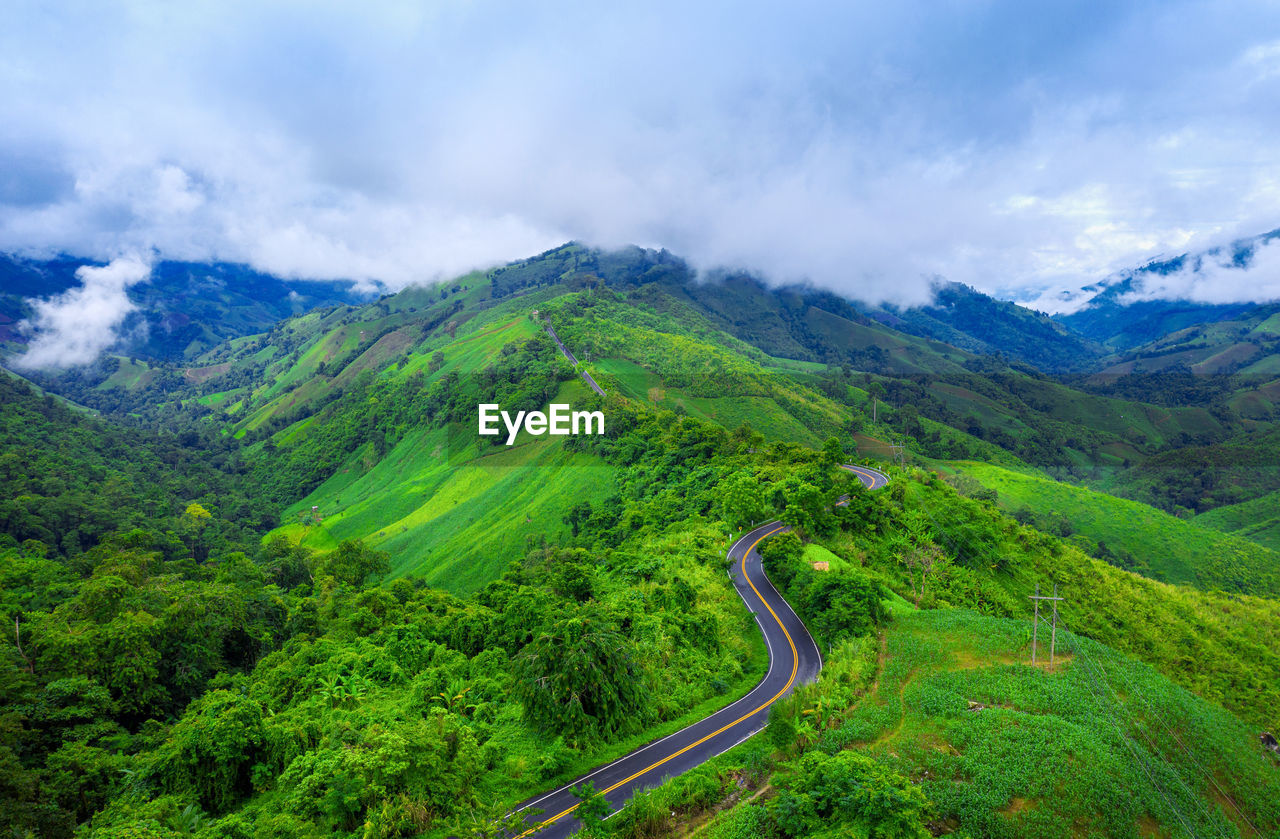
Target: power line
1172, 734
1097, 679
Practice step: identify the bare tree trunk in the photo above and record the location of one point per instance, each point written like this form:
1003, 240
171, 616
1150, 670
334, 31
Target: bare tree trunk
17, 636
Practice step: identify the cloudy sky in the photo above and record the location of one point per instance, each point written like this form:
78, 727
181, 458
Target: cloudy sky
1019, 147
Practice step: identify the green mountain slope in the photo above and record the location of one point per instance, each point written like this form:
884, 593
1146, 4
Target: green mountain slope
68, 479
1114, 318
1202, 478
456, 520
1257, 520
952, 710
541, 608
648, 334
965, 317
1134, 535
257, 383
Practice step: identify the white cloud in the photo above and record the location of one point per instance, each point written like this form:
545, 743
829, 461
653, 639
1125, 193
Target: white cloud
1215, 278
76, 326
1020, 148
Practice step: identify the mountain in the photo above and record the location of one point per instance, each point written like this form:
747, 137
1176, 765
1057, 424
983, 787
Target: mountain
326, 395
408, 627
1120, 314
965, 317
783, 320
180, 310
1243, 342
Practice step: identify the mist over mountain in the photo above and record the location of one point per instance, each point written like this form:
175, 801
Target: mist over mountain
1165, 295
67, 311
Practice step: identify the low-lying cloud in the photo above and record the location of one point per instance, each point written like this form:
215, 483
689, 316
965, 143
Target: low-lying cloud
1020, 148
1216, 277
74, 327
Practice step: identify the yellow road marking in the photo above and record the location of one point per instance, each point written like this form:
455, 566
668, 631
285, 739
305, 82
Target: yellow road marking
795, 664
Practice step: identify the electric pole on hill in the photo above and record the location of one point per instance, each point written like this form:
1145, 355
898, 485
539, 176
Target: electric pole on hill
898, 453
1035, 626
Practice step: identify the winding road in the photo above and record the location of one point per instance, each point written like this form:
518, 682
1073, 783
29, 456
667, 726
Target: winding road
793, 659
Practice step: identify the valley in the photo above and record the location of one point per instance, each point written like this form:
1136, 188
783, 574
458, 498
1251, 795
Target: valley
322, 604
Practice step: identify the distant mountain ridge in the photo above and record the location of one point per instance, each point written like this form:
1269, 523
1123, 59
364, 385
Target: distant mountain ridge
1110, 320
182, 309
185, 308
967, 318
777, 318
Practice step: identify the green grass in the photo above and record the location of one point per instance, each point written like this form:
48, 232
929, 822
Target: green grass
1257, 520
816, 553
131, 374
1268, 365
631, 380
762, 413
472, 350
1171, 549
214, 400
454, 516
1074, 750
1270, 326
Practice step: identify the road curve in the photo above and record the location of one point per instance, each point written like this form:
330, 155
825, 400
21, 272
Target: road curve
794, 660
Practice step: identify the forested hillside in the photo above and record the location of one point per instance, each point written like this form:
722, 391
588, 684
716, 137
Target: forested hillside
282, 588
68, 479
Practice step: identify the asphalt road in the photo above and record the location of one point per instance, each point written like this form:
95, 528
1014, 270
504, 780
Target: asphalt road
793, 660
586, 377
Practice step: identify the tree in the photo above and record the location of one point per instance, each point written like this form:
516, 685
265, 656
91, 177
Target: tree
742, 501
581, 678
779, 555
851, 791
578, 516
782, 726
212, 749
807, 510
877, 392
354, 563
841, 605
593, 808
925, 559
194, 521
832, 453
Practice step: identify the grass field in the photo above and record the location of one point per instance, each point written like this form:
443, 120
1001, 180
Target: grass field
131, 374
1098, 745
1257, 520
1172, 550
760, 412
454, 516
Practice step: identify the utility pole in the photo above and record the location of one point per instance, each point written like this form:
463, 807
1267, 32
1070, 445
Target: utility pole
1035, 624
1053, 641
898, 453
1053, 637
